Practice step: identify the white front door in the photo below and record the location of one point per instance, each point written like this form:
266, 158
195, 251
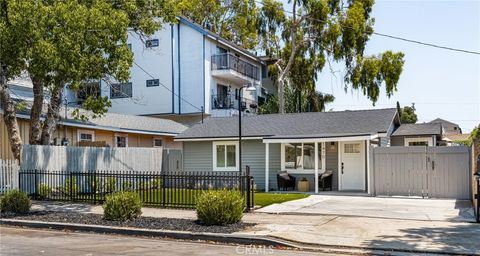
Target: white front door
352, 165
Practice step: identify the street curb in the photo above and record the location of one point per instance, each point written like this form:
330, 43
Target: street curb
182, 235
219, 237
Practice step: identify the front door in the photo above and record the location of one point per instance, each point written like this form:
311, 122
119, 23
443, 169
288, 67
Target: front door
352, 165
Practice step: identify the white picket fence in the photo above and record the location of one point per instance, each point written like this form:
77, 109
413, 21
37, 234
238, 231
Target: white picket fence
8, 175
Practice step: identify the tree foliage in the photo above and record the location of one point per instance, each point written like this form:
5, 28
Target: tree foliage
321, 30
407, 114
60, 43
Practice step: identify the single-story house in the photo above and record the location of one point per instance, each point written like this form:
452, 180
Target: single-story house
303, 144
424, 134
110, 130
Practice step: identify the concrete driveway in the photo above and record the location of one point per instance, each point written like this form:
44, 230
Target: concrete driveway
378, 207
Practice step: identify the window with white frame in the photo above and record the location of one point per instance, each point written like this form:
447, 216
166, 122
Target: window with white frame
421, 141
85, 135
121, 141
151, 43
121, 90
157, 143
300, 156
225, 156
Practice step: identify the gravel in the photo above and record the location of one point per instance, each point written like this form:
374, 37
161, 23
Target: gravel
140, 222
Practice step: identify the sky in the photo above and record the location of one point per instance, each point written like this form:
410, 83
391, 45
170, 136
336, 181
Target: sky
441, 83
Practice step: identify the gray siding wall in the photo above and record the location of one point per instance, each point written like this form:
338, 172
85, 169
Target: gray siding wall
332, 162
197, 156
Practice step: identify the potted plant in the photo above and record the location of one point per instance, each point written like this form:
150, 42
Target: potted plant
303, 185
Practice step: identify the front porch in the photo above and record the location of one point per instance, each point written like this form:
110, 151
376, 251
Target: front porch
346, 159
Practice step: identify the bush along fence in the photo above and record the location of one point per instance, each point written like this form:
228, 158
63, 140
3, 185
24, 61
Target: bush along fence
166, 189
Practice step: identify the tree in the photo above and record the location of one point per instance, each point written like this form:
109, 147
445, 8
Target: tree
321, 29
407, 114
234, 20
65, 43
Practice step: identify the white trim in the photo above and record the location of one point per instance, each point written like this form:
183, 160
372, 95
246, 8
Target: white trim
298, 170
324, 156
214, 156
429, 140
369, 180
219, 139
316, 167
81, 131
267, 166
312, 140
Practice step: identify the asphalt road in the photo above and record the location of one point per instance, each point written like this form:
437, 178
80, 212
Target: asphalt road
25, 242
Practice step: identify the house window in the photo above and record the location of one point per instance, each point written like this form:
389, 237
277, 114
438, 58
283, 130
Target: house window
153, 82
418, 143
352, 148
151, 43
85, 135
421, 141
225, 156
157, 143
121, 90
300, 156
121, 141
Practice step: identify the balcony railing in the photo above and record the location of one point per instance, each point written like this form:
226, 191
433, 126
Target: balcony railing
222, 101
226, 61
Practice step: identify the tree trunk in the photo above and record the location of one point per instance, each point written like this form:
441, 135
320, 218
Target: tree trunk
9, 116
36, 112
50, 123
281, 96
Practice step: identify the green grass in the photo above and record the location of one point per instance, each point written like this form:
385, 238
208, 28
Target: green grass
264, 199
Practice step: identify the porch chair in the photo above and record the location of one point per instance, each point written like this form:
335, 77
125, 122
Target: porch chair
325, 180
285, 181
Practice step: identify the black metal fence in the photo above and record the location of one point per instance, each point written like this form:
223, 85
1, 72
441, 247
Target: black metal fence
167, 189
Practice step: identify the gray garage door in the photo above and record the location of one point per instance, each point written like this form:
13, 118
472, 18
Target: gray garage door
428, 172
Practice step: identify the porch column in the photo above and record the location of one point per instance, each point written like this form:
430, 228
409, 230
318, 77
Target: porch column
316, 167
324, 156
267, 166
369, 176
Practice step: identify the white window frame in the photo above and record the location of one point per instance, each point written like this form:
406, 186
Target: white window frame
80, 132
214, 154
153, 141
302, 170
429, 141
120, 135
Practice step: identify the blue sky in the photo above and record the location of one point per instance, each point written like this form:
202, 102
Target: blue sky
441, 83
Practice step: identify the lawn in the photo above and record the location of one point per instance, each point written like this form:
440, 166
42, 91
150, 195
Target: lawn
264, 199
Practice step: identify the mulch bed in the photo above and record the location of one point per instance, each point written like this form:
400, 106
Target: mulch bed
140, 222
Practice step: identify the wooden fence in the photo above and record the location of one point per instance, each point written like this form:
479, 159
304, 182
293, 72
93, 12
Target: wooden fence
9, 170
76, 159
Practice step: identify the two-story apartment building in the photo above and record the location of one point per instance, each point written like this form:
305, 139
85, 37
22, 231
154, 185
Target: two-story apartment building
183, 70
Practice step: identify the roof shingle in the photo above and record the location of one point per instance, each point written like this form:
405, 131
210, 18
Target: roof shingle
418, 129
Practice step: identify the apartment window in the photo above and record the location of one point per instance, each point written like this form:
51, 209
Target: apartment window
88, 89
153, 82
157, 143
225, 156
85, 135
121, 90
121, 141
129, 46
152, 43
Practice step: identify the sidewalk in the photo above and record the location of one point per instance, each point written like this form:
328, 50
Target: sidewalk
342, 231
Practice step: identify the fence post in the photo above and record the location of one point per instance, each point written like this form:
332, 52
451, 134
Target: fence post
247, 179
94, 187
71, 185
162, 183
35, 195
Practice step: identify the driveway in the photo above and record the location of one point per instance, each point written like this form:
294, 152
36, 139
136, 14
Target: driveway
378, 207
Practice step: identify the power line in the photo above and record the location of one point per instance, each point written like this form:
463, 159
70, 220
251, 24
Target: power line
184, 100
399, 38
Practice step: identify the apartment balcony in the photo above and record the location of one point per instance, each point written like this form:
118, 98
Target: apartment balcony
228, 66
227, 105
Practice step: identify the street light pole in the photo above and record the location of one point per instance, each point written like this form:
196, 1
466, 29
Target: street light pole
249, 87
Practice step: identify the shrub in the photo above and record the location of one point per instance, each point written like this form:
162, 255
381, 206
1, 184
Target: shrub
122, 206
15, 201
44, 191
220, 207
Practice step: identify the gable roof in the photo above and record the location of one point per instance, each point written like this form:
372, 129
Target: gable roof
298, 125
418, 129
441, 121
